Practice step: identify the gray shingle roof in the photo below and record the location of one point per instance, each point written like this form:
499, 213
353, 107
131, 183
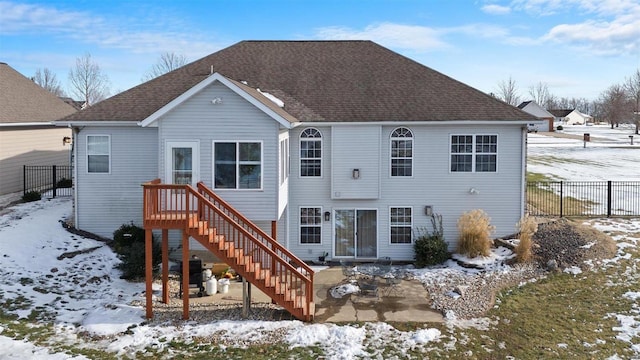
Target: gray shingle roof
23, 101
560, 112
345, 81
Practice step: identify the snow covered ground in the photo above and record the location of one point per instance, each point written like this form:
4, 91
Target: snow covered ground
609, 156
45, 269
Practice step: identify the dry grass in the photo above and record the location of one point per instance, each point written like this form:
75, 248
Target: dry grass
475, 233
527, 227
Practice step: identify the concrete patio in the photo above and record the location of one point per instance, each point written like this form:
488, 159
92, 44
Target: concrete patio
410, 303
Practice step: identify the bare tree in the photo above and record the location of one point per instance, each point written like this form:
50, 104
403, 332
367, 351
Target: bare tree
167, 62
615, 104
632, 87
508, 92
48, 80
88, 82
540, 93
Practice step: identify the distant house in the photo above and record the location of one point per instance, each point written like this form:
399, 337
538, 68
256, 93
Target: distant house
28, 135
560, 116
538, 111
577, 118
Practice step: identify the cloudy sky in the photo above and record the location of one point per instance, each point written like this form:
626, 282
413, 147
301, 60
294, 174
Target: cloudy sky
577, 47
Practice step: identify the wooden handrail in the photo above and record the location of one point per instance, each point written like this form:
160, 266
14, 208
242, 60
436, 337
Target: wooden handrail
244, 231
177, 206
250, 224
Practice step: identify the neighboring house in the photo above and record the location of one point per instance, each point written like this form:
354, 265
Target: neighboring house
577, 118
28, 135
344, 147
538, 111
560, 116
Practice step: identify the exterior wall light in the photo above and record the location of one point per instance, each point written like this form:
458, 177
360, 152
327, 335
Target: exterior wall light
355, 174
327, 216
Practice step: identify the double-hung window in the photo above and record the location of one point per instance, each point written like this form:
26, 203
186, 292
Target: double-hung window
310, 153
238, 165
401, 152
401, 223
310, 225
98, 153
474, 153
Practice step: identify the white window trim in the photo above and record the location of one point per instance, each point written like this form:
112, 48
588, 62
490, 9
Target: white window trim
413, 151
301, 139
87, 153
390, 225
237, 142
474, 153
300, 226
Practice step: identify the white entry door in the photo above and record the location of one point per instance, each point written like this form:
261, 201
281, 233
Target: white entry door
182, 162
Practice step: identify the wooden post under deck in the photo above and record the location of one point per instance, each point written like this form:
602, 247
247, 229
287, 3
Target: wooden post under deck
185, 275
148, 259
165, 266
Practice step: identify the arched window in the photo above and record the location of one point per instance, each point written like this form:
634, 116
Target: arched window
310, 153
401, 152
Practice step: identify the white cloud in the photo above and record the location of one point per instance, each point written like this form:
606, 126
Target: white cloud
118, 33
494, 9
601, 27
411, 37
606, 35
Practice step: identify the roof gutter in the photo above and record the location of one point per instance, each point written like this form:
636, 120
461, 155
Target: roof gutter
409, 122
46, 123
96, 123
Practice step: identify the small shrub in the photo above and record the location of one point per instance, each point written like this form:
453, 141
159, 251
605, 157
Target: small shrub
30, 196
560, 128
129, 245
475, 233
64, 183
430, 247
527, 227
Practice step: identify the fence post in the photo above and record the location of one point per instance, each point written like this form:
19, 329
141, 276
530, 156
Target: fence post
561, 200
55, 183
609, 198
24, 180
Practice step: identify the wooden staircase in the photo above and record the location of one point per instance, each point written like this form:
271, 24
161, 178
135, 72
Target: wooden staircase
234, 239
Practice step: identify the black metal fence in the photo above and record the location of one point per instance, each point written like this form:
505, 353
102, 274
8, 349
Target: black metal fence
584, 198
48, 180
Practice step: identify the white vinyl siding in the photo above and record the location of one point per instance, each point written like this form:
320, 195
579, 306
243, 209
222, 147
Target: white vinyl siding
356, 148
105, 201
401, 225
474, 153
234, 120
98, 153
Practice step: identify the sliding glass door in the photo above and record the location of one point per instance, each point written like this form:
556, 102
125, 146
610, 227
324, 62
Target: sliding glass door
356, 233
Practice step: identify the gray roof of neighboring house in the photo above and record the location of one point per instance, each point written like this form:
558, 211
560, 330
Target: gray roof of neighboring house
561, 112
345, 81
24, 101
524, 104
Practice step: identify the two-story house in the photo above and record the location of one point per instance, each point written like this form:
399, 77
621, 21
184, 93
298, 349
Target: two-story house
342, 147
